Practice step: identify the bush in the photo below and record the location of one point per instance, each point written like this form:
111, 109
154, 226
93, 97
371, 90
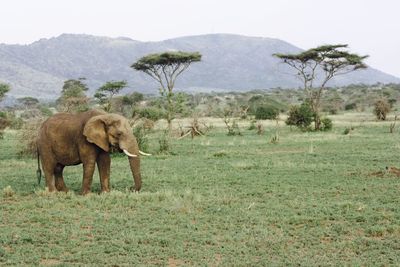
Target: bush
164, 142
252, 125
381, 109
4, 123
151, 113
46, 112
326, 124
266, 113
350, 106
27, 138
141, 132
300, 116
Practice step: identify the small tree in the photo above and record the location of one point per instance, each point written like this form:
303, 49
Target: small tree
107, 91
266, 113
381, 109
73, 98
321, 64
165, 68
132, 99
28, 102
300, 116
4, 88
4, 121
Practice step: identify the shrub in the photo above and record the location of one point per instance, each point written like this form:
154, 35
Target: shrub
348, 130
300, 116
266, 113
164, 142
151, 113
232, 126
326, 124
27, 138
252, 125
4, 123
46, 111
381, 109
141, 132
350, 106
392, 101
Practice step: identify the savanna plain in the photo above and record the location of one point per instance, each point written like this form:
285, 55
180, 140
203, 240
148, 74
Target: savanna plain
309, 198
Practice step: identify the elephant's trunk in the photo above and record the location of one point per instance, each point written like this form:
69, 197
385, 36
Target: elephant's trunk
135, 168
130, 145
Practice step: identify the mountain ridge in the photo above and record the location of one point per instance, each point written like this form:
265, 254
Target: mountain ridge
229, 62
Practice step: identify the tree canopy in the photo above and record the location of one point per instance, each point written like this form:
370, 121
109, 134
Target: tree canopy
333, 60
165, 68
73, 98
321, 64
107, 91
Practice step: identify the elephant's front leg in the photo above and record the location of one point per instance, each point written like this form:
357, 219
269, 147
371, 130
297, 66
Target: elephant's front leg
58, 173
88, 170
103, 165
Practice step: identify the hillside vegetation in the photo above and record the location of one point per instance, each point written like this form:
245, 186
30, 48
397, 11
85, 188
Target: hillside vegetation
230, 62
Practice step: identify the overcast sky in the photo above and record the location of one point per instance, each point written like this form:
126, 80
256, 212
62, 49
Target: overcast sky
369, 26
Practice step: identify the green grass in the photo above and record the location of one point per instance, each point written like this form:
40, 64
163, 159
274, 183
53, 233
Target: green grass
216, 200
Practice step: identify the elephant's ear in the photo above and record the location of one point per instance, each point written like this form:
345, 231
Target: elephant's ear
95, 132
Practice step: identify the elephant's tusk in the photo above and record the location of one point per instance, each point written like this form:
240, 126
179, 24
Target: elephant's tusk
129, 154
144, 154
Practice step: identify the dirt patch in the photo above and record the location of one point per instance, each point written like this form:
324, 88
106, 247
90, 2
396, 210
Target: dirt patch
389, 171
49, 262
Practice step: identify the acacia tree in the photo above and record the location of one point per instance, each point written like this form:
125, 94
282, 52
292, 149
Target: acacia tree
73, 98
320, 65
165, 69
107, 91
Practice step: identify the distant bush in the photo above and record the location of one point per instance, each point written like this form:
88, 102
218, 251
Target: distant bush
348, 130
350, 106
46, 111
141, 131
392, 101
300, 116
4, 123
27, 138
252, 125
266, 113
381, 109
257, 101
164, 142
326, 124
151, 113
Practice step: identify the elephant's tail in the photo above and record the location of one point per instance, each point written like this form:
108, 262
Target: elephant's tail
39, 171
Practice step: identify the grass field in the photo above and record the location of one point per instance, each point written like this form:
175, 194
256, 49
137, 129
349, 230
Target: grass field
218, 200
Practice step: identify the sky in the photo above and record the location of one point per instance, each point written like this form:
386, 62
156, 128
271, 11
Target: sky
369, 27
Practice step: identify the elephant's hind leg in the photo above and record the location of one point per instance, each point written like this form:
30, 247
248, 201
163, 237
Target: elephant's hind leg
48, 169
59, 180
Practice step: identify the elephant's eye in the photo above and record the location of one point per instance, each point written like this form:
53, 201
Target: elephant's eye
117, 134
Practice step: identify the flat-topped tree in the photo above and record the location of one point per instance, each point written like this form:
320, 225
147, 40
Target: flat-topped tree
107, 91
165, 68
319, 65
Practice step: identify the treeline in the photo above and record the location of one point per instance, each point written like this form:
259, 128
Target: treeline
261, 104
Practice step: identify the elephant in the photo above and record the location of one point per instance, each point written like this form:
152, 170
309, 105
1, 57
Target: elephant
71, 139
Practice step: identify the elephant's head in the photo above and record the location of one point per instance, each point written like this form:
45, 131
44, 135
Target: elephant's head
112, 130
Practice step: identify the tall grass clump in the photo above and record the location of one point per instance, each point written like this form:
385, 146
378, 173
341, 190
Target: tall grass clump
27, 137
